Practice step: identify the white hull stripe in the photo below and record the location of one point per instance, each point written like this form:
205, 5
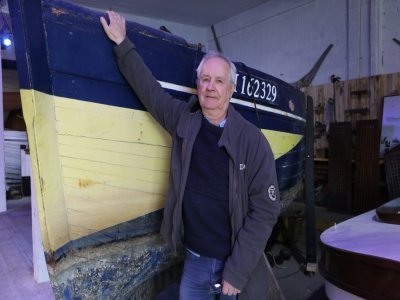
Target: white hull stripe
180, 88
269, 109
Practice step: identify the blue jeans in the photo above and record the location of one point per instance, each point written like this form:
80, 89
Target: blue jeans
202, 279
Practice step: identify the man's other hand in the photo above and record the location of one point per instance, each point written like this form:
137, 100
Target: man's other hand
228, 289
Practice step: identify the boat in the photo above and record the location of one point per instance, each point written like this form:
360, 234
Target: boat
100, 163
370, 267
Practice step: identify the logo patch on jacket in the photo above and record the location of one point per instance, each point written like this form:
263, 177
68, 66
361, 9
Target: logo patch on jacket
272, 192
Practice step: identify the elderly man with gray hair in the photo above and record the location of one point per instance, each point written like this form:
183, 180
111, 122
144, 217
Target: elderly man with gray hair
223, 198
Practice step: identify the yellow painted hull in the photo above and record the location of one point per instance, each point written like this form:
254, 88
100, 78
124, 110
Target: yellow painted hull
96, 166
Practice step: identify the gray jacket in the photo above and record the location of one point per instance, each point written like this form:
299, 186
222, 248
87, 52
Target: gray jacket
253, 196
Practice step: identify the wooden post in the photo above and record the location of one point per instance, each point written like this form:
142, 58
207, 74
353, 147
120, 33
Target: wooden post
40, 272
311, 247
3, 198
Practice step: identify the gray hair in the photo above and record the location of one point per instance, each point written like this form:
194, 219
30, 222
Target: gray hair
214, 54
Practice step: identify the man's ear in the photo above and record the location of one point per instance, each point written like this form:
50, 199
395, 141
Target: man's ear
233, 89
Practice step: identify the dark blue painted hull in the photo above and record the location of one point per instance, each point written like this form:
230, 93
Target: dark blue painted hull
70, 56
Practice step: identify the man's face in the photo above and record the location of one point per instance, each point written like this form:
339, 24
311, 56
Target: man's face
214, 87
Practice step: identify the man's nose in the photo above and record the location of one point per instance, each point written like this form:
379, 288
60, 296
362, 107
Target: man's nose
210, 85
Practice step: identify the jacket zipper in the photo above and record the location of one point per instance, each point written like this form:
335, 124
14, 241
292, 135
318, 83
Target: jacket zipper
233, 202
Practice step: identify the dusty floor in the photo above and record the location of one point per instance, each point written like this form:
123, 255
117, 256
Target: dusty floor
16, 268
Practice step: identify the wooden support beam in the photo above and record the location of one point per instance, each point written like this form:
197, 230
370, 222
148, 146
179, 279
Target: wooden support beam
11, 101
40, 272
3, 198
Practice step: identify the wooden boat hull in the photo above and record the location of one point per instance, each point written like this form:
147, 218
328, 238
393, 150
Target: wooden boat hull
100, 163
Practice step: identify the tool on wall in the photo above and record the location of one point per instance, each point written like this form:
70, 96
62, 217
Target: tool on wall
308, 78
319, 129
396, 41
330, 113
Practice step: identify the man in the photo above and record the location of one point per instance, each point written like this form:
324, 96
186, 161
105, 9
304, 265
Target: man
223, 198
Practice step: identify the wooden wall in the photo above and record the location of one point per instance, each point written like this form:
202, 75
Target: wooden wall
357, 99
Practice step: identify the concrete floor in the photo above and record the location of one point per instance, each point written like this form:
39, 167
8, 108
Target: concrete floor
16, 267
294, 282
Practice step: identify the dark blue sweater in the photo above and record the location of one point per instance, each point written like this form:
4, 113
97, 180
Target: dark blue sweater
206, 199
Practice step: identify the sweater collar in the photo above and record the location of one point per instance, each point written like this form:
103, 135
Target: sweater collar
220, 124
